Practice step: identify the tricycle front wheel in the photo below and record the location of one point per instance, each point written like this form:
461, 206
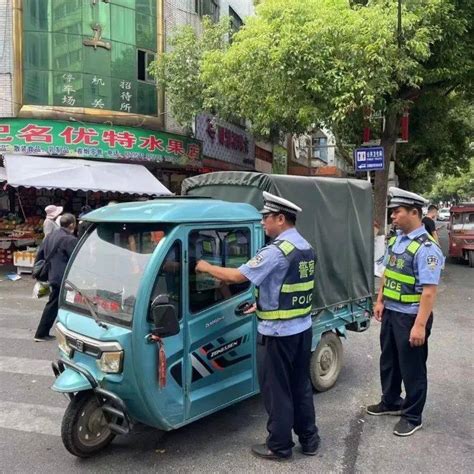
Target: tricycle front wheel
84, 429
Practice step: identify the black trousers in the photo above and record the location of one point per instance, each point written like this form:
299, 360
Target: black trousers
50, 312
283, 374
401, 362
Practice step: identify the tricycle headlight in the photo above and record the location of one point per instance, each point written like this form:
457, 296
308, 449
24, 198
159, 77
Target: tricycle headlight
111, 362
62, 342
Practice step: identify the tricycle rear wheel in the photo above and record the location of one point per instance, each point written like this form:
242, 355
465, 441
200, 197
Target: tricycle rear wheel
326, 362
84, 429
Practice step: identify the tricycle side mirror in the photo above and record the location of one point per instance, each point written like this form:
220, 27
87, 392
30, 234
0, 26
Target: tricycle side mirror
164, 317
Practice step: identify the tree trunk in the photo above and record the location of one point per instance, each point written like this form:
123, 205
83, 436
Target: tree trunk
388, 141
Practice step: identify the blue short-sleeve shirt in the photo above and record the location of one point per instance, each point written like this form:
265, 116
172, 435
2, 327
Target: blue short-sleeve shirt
267, 270
428, 263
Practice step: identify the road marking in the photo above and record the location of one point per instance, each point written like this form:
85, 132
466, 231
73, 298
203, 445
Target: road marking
17, 333
23, 365
31, 418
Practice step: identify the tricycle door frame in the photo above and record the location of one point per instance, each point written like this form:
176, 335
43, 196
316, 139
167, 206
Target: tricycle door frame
164, 406
220, 345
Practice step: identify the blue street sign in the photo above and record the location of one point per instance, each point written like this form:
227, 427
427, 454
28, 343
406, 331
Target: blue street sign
369, 158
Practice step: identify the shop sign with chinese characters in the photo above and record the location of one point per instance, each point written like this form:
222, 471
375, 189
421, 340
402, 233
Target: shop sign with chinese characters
88, 140
226, 142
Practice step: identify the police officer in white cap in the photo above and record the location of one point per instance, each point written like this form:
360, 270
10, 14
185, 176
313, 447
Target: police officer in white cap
404, 305
283, 274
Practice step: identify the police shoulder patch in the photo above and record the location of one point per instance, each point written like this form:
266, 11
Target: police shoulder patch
432, 261
255, 261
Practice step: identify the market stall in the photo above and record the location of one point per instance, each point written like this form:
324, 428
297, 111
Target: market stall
32, 183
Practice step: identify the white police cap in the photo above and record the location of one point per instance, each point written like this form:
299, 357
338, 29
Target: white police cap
400, 197
276, 204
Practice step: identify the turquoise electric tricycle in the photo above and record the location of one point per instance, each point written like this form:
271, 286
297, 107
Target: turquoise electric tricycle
144, 339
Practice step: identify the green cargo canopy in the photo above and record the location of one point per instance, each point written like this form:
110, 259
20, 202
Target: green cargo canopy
336, 219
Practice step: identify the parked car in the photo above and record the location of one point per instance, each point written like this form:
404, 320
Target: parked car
444, 214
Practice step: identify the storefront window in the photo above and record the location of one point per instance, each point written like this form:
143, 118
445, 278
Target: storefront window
85, 54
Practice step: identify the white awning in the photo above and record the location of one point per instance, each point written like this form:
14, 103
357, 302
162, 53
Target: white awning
86, 175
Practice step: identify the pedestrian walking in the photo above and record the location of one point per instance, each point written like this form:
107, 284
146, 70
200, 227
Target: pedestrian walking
429, 221
283, 274
50, 224
405, 307
56, 248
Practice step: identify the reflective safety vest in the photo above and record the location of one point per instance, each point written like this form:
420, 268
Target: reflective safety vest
296, 291
399, 275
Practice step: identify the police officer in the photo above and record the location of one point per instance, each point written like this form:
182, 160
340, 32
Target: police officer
404, 305
283, 274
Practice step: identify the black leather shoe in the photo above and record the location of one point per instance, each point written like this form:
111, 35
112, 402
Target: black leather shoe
262, 451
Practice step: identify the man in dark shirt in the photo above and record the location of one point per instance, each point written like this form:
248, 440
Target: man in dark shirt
57, 247
430, 221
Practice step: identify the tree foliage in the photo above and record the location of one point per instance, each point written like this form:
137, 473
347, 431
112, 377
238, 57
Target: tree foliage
454, 188
441, 131
179, 69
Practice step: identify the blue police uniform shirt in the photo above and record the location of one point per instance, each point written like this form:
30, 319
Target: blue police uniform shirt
428, 263
267, 270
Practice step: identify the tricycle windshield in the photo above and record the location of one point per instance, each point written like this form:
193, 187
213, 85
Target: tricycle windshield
108, 267
463, 221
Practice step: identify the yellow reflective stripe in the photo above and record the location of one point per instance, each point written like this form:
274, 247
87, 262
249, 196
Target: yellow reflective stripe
432, 239
413, 247
410, 298
286, 247
284, 314
392, 240
399, 277
394, 295
295, 287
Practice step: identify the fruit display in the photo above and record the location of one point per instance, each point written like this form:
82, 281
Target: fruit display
9, 222
14, 227
17, 233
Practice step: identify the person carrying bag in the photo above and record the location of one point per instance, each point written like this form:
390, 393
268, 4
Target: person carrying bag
50, 265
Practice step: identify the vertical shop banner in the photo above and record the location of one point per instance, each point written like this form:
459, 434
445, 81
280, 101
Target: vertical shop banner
225, 142
90, 140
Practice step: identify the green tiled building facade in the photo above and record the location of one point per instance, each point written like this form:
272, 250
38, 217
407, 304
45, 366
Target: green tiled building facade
90, 54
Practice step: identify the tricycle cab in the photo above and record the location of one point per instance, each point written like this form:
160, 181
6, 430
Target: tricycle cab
131, 288
461, 232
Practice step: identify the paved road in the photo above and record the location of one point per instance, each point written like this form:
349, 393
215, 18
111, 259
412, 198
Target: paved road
30, 414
